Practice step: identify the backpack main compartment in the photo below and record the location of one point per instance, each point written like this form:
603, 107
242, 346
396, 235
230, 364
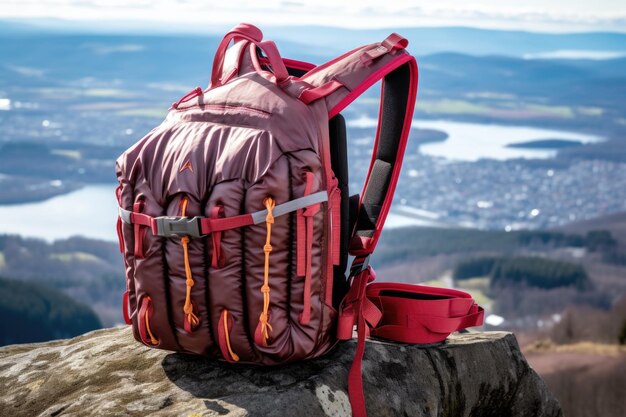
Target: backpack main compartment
220, 159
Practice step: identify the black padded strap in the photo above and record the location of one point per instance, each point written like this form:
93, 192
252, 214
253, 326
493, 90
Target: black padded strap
398, 100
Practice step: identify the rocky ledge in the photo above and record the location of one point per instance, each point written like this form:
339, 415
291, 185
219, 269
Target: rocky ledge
107, 373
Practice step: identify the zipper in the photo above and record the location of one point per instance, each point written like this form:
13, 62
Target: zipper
222, 107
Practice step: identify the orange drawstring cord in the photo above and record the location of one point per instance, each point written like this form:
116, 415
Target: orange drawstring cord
232, 354
153, 339
266, 327
188, 308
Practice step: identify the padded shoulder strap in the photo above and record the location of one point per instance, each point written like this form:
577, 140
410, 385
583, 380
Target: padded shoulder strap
339, 82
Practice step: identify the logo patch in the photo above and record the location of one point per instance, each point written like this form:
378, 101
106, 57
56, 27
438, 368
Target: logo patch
186, 165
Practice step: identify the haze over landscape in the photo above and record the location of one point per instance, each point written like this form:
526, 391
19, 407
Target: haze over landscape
513, 185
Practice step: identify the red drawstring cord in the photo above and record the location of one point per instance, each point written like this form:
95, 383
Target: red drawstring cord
192, 94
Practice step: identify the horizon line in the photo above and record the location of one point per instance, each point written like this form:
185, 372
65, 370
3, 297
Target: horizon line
144, 26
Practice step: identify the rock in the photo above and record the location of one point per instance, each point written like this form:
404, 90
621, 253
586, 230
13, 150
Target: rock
107, 373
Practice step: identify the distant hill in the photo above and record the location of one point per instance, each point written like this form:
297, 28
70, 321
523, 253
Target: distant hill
565, 81
34, 313
49, 60
410, 243
424, 40
537, 267
67, 60
616, 223
428, 40
532, 271
130, 66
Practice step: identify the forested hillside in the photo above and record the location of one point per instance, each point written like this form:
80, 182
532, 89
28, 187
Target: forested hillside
33, 313
89, 271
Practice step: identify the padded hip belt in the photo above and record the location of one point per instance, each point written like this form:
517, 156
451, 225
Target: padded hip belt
409, 313
421, 314
399, 312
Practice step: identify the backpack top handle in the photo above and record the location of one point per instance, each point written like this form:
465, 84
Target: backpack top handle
254, 35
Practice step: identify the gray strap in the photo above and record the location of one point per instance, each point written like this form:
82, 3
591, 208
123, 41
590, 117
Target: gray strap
258, 216
125, 215
291, 205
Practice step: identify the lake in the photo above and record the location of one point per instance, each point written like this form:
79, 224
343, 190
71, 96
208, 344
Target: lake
92, 212
473, 141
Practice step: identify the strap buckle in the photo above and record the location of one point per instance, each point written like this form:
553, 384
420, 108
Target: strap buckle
178, 226
359, 264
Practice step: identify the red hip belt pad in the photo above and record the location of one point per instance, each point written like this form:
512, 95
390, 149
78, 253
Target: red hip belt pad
407, 313
421, 314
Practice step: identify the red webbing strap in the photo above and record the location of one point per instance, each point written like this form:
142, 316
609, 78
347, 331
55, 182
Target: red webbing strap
411, 320
357, 309
141, 219
145, 309
125, 308
355, 376
137, 231
335, 210
120, 236
208, 225
217, 212
414, 329
447, 325
299, 65
309, 95
392, 43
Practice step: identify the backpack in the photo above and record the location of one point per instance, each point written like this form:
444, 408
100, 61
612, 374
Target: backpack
236, 224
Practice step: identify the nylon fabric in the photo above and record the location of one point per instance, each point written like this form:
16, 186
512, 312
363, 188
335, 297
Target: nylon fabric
235, 220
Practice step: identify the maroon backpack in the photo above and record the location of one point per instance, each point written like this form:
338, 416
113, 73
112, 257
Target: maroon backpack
236, 224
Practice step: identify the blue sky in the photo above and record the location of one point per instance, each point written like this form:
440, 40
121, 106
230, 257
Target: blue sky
536, 15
